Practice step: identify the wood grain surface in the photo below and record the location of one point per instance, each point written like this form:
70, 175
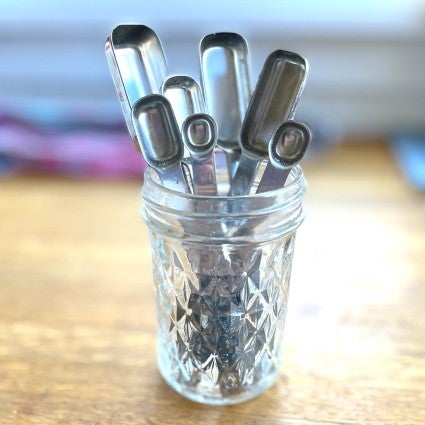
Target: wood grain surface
77, 316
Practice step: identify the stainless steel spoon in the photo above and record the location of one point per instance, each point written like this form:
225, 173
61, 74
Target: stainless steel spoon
138, 66
160, 140
185, 96
286, 149
274, 100
187, 99
200, 137
226, 82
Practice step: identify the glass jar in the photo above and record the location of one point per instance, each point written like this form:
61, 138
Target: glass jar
221, 270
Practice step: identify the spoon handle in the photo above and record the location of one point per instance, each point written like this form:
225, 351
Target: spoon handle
173, 178
244, 176
272, 178
203, 176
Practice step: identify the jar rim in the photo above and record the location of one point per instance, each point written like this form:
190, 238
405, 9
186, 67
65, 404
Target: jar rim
296, 175
176, 203
223, 219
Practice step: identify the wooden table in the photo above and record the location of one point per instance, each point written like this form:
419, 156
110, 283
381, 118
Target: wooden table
77, 319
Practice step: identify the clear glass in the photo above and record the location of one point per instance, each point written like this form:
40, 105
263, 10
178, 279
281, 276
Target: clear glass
221, 267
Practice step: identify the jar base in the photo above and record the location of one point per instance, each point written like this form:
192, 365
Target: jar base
216, 396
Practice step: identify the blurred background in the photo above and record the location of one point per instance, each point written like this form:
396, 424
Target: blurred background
59, 112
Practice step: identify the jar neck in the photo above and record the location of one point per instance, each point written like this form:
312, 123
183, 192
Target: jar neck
230, 219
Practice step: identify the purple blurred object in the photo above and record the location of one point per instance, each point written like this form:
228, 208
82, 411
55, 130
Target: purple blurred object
101, 152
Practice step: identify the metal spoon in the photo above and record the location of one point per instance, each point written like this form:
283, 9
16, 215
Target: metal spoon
160, 141
226, 82
138, 66
200, 137
187, 99
287, 147
185, 96
274, 100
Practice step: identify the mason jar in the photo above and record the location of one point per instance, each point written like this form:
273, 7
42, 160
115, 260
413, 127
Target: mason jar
221, 269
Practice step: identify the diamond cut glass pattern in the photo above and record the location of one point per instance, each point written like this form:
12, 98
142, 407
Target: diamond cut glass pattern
221, 320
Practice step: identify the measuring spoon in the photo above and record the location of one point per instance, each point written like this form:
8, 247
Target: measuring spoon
287, 147
138, 66
226, 82
274, 100
187, 99
185, 96
160, 140
200, 137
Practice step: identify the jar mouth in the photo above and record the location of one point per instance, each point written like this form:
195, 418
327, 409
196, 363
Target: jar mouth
223, 219
169, 201
295, 179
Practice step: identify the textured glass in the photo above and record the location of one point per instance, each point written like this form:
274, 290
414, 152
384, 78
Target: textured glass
221, 315
221, 283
